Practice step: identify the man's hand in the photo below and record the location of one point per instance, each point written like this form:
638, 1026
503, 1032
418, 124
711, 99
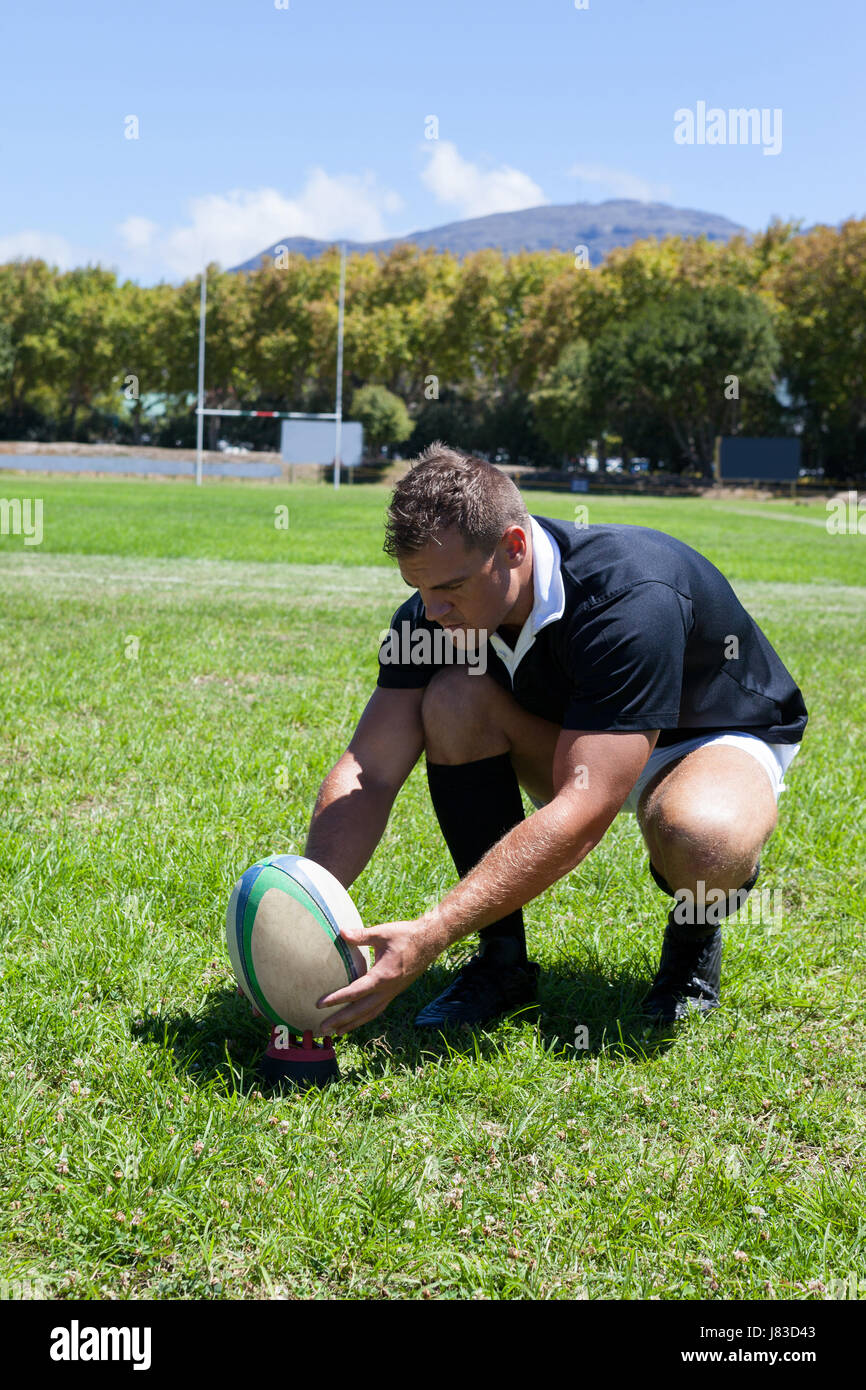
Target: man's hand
403, 952
534, 854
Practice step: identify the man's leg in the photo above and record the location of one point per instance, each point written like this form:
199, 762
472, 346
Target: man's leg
467, 717
478, 741
705, 821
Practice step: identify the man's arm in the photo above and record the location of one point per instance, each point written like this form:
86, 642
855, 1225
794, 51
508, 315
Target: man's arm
592, 776
356, 797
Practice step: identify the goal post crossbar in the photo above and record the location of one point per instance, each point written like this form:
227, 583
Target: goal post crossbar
270, 414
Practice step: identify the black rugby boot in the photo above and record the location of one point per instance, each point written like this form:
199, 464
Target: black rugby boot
497, 981
689, 974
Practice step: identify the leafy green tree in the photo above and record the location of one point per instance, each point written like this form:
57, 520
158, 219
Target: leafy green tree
453, 418
561, 401
87, 367
677, 359
29, 309
822, 290
529, 354
509, 432
288, 359
384, 416
7, 355
145, 355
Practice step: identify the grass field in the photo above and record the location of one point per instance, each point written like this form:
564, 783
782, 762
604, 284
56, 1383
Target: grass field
177, 674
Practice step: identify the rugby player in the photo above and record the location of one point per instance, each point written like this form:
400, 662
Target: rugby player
620, 673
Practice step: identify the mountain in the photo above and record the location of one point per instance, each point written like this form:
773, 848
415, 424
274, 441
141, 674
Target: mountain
597, 226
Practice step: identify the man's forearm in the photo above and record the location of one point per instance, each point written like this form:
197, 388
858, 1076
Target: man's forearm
535, 854
348, 821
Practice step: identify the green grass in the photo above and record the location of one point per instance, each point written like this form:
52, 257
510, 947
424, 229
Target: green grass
139, 1160
781, 540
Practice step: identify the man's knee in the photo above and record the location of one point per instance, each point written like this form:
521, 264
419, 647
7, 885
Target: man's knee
716, 845
458, 716
453, 692
709, 867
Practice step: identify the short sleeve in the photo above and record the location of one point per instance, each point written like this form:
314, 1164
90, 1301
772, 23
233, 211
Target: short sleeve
405, 655
625, 659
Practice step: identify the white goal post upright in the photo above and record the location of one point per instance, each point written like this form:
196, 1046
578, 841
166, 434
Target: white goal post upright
339, 409
336, 414
199, 434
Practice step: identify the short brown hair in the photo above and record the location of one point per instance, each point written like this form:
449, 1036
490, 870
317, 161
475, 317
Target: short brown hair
445, 488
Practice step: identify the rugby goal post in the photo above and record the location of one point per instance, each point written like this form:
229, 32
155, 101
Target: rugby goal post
336, 415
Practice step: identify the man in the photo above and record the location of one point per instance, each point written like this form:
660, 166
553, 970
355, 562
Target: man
621, 672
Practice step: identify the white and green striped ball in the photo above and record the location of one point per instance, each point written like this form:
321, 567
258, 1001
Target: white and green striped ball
283, 931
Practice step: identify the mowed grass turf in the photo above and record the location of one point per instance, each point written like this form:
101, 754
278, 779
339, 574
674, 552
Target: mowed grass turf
177, 676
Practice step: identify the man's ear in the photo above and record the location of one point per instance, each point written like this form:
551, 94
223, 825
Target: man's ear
516, 541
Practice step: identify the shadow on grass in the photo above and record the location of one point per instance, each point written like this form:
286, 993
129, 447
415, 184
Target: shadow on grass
584, 1010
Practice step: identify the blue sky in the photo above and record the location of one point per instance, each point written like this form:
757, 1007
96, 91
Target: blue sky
257, 122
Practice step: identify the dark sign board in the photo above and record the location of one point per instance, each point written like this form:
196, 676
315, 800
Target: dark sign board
776, 460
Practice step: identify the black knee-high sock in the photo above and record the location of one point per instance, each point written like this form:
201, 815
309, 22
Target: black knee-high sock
476, 804
686, 932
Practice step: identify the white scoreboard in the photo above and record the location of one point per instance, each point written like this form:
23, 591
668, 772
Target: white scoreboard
314, 441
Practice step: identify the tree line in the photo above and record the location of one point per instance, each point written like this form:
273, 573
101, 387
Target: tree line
535, 358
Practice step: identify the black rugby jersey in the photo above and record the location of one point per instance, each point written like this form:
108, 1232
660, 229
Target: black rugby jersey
633, 630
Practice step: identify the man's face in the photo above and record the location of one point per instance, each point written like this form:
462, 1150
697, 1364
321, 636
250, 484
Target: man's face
463, 589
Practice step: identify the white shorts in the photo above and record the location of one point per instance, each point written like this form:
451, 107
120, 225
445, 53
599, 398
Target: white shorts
775, 759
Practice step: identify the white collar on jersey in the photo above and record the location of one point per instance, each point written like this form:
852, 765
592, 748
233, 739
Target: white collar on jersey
549, 598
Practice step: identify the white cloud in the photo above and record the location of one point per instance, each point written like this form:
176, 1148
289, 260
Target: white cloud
137, 233
46, 246
233, 227
474, 191
604, 182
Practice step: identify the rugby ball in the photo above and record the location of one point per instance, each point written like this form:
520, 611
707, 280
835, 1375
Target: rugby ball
283, 932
